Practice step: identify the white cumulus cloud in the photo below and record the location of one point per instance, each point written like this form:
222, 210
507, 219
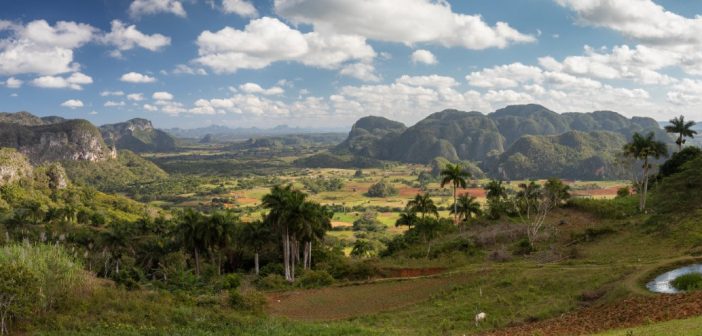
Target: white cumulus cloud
140, 8
405, 21
423, 56
75, 81
135, 77
72, 104
242, 8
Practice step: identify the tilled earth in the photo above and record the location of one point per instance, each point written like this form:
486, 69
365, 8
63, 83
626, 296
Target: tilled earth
627, 313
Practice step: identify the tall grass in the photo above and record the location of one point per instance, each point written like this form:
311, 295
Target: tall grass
58, 274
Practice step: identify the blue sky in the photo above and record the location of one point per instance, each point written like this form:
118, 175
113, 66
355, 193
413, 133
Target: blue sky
320, 63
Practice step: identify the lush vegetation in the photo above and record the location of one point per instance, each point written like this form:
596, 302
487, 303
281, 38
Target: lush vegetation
238, 238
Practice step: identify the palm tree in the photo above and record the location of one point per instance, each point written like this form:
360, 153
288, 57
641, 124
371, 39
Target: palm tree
278, 201
220, 232
362, 248
495, 189
423, 204
642, 148
255, 235
456, 175
682, 129
190, 232
408, 218
466, 208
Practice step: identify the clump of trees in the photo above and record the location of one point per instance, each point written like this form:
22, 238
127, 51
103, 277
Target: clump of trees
298, 222
320, 184
381, 189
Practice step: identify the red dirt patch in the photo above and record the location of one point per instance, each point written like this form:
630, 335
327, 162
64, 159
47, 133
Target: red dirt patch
475, 192
247, 200
408, 191
612, 191
623, 314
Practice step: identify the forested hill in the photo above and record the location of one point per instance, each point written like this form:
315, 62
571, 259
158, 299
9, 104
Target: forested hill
510, 142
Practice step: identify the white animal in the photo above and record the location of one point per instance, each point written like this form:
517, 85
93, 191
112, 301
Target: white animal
479, 317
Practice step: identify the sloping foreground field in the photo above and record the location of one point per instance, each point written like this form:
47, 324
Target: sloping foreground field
624, 314
691, 326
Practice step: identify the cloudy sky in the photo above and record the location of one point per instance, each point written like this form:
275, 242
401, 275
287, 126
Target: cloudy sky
323, 63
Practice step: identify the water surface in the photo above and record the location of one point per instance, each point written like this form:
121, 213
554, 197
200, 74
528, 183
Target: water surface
662, 283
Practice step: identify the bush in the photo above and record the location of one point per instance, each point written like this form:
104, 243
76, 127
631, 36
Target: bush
231, 281
381, 189
458, 244
251, 300
272, 282
57, 274
19, 294
688, 282
618, 208
523, 247
313, 279
271, 268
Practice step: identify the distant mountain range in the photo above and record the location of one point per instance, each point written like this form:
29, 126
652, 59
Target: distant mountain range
515, 142
223, 133
58, 139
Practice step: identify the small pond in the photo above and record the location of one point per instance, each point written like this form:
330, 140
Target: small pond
662, 283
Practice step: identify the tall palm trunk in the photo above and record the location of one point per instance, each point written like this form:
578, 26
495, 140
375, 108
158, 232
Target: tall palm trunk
642, 199
197, 262
455, 204
292, 260
286, 253
304, 256
256, 262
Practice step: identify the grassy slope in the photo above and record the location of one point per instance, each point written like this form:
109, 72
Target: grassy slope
510, 292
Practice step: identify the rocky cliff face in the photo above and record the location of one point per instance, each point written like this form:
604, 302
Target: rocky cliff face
54, 140
13, 166
137, 135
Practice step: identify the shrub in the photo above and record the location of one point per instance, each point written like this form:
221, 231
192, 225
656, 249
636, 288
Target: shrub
272, 282
251, 300
458, 244
523, 247
381, 189
623, 192
271, 268
57, 274
19, 294
687, 282
618, 208
313, 279
231, 281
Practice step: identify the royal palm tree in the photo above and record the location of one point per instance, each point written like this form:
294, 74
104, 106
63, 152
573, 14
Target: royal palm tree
220, 234
466, 208
456, 175
682, 129
280, 203
190, 232
495, 189
423, 204
407, 218
643, 148
255, 235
